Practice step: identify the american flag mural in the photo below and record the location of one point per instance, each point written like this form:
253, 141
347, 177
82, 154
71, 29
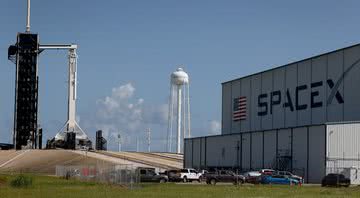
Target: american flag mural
239, 111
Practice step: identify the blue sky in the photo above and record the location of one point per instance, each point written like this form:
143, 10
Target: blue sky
127, 50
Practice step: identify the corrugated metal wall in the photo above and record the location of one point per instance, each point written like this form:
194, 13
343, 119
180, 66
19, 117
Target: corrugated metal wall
257, 150
218, 151
313, 91
245, 151
342, 145
196, 156
270, 139
226, 109
316, 153
299, 151
188, 153
315, 150
251, 151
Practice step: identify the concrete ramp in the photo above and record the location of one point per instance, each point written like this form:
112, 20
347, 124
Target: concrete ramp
45, 161
160, 161
7, 155
42, 161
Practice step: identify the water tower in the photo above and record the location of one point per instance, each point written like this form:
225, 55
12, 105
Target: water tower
179, 108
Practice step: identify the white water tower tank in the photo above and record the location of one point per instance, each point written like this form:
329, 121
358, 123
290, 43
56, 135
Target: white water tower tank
179, 77
179, 108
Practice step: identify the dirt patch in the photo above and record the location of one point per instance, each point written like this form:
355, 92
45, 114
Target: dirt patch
2, 181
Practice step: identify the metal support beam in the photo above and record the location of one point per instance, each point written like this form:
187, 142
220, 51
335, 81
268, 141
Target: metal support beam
58, 46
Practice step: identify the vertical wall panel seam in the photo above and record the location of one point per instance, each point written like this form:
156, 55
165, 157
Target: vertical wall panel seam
250, 109
222, 109
261, 91
343, 85
205, 161
326, 89
323, 153
292, 152
240, 122
263, 149
192, 153
311, 80
200, 164
241, 151
307, 154
272, 89
185, 151
237, 154
297, 84
325, 145
232, 109
251, 150
185, 155
284, 110
277, 147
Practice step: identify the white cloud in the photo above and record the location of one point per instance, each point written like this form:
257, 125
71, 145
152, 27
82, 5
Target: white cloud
122, 111
124, 91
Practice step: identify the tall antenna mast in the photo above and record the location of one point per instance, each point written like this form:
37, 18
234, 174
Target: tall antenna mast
137, 144
149, 139
28, 17
119, 141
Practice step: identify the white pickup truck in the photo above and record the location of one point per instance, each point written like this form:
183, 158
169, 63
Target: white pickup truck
189, 174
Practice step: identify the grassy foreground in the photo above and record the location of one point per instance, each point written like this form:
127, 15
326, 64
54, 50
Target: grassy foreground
44, 186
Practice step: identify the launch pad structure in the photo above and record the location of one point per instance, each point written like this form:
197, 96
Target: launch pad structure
25, 55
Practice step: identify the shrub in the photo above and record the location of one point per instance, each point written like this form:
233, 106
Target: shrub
21, 181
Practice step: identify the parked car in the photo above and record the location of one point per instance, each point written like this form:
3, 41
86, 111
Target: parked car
173, 175
278, 179
289, 174
224, 176
337, 180
266, 171
253, 177
189, 174
149, 175
203, 175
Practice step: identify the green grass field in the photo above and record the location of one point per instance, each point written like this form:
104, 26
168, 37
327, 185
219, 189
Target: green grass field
44, 186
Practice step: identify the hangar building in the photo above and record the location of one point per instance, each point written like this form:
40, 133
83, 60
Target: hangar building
303, 117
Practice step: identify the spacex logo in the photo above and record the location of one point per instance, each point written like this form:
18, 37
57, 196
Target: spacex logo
267, 101
335, 87
338, 96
